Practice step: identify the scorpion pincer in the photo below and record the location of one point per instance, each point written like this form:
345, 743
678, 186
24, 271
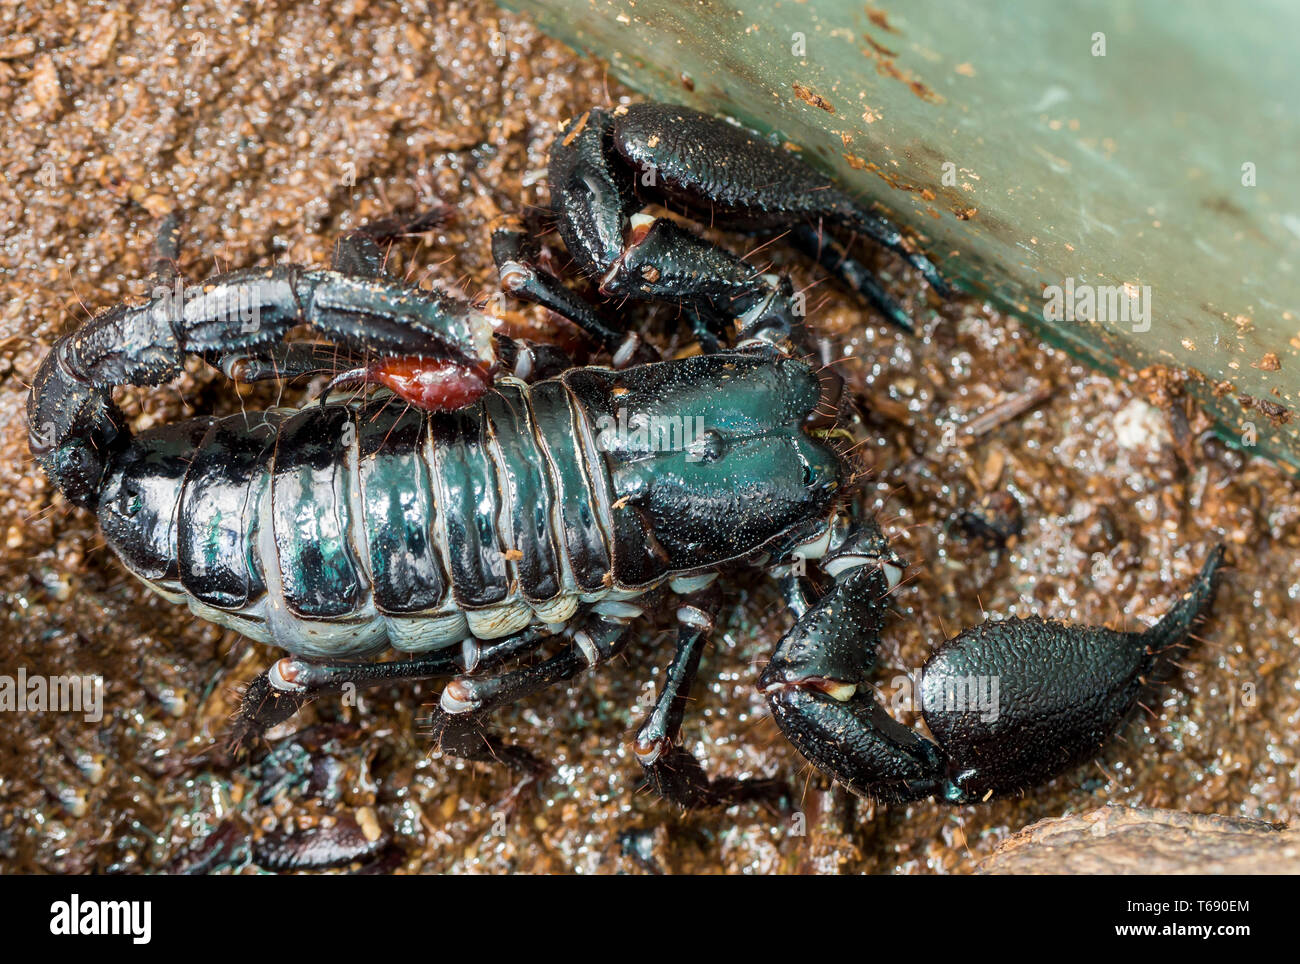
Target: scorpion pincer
490, 501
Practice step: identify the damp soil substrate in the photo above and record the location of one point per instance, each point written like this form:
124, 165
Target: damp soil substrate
275, 129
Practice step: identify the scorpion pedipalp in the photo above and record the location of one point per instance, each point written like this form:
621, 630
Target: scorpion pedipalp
1011, 703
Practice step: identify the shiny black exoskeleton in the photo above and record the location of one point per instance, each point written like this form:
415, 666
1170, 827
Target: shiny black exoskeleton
1010, 703
608, 164
527, 504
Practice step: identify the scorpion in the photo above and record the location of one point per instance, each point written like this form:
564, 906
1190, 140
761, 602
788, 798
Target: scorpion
472, 511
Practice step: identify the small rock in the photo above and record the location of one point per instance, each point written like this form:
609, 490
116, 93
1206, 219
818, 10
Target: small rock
44, 85
1140, 425
1141, 840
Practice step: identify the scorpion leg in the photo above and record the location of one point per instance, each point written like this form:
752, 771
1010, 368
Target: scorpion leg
469, 737
292, 682
517, 259
856, 276
705, 332
289, 684
531, 361
719, 291
1011, 703
167, 251
358, 251
459, 723
286, 360
599, 638
672, 771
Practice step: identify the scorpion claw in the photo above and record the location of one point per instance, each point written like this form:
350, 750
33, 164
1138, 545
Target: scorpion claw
722, 175
1000, 721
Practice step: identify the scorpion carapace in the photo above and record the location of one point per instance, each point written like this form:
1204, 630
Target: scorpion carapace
525, 505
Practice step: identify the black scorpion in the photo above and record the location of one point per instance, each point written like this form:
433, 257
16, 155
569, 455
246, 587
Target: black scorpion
523, 504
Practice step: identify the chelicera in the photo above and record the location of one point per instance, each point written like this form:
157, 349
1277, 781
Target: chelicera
472, 514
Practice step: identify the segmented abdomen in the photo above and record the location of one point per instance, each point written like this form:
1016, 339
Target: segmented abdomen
337, 530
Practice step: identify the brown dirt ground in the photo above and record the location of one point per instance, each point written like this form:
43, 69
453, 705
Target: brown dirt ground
251, 121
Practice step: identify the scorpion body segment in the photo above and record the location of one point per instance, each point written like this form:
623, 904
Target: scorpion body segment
339, 529
491, 502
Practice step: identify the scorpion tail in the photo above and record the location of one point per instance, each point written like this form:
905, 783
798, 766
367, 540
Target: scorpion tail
1166, 641
72, 422
73, 425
